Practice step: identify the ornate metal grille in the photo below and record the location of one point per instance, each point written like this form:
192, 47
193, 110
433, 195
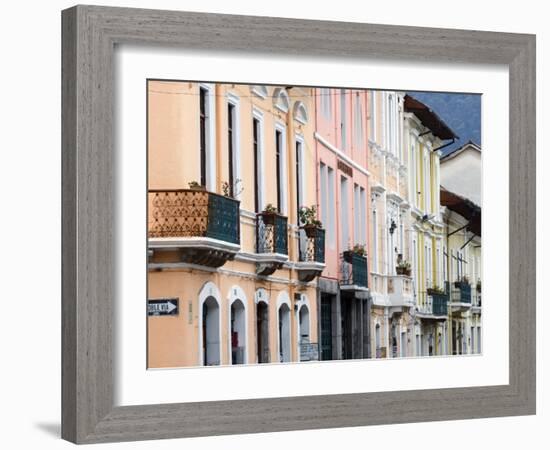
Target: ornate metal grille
354, 270
312, 248
461, 292
271, 234
193, 213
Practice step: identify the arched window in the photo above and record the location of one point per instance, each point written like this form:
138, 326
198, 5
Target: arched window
284, 333
281, 100
211, 332
209, 325
259, 90
238, 326
303, 325
262, 326
300, 112
283, 327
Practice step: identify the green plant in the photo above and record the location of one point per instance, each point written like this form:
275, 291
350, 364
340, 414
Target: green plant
232, 191
435, 290
403, 264
359, 249
194, 185
308, 216
478, 285
269, 208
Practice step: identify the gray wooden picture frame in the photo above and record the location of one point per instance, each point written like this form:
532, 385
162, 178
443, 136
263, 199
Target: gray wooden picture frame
89, 36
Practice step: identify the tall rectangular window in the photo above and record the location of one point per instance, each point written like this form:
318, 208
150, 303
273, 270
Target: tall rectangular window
299, 170
344, 211
203, 98
331, 206
231, 148
359, 219
326, 102
363, 215
358, 121
372, 121
256, 151
374, 241
343, 119
278, 168
391, 123
324, 194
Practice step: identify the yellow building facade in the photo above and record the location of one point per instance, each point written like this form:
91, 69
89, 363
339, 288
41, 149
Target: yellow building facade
229, 166
425, 136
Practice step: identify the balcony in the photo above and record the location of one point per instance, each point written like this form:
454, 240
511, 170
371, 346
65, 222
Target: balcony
311, 254
476, 302
440, 304
202, 226
461, 295
354, 271
400, 290
271, 242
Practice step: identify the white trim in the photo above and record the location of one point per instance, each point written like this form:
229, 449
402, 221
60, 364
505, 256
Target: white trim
281, 101
260, 90
304, 301
257, 114
261, 295
209, 289
236, 163
299, 139
211, 137
192, 242
284, 299
279, 126
299, 112
341, 155
237, 293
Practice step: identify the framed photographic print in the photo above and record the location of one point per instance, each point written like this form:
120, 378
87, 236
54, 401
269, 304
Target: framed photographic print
265, 234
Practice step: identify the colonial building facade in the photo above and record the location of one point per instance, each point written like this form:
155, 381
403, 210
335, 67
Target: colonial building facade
229, 168
342, 194
291, 224
392, 295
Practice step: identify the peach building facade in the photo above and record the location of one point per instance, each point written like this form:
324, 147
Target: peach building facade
229, 167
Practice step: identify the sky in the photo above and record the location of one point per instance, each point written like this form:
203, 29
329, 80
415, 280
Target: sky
461, 112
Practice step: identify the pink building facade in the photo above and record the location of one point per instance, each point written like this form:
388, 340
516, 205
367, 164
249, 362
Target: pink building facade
343, 195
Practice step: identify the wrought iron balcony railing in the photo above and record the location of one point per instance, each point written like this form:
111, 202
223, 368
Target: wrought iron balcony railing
461, 292
312, 247
271, 233
354, 269
193, 213
439, 304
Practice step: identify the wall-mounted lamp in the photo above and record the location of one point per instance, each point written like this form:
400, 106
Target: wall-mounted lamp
393, 226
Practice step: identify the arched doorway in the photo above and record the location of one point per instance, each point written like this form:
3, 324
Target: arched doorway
378, 341
211, 332
262, 332
284, 333
303, 325
238, 332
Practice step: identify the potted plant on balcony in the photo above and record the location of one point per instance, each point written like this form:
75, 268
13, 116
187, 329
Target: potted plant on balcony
309, 221
435, 290
196, 186
403, 268
232, 191
358, 250
268, 214
478, 286
463, 280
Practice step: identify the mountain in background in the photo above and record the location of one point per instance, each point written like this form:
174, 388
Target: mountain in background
461, 112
